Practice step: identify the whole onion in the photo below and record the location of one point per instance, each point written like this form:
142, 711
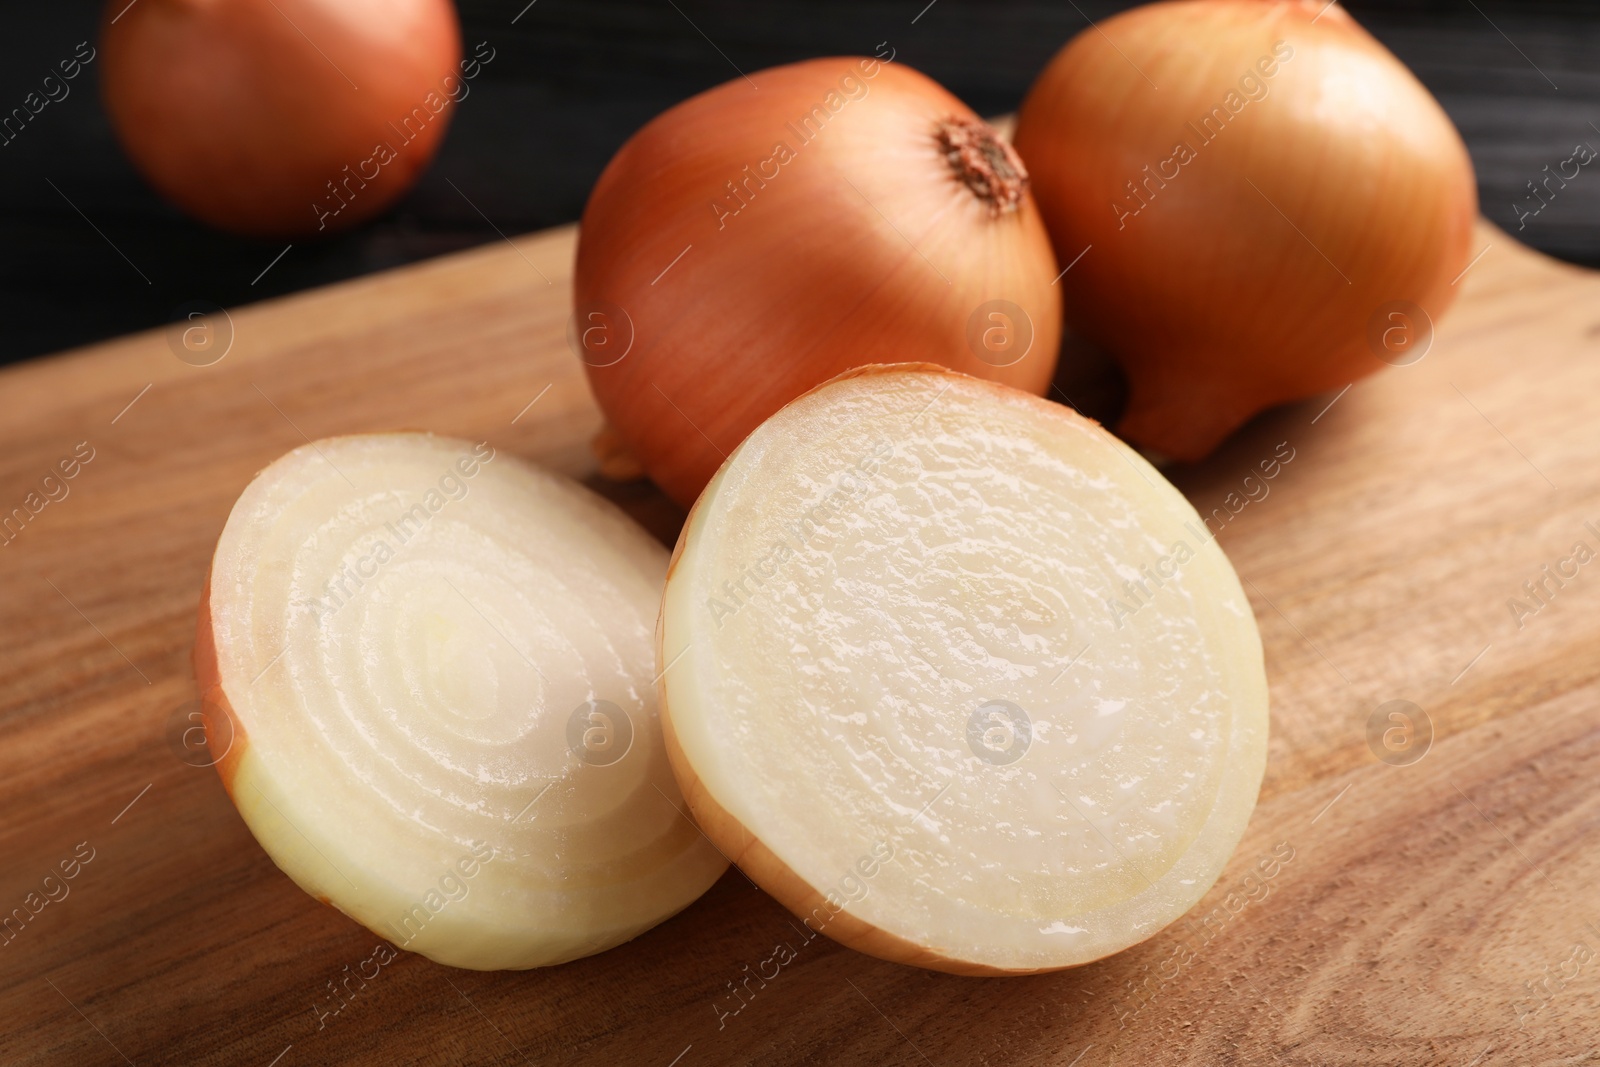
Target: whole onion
751, 243
282, 117
1268, 205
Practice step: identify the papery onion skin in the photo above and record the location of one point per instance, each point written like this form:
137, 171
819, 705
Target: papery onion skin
216, 713
1251, 274
734, 281
242, 112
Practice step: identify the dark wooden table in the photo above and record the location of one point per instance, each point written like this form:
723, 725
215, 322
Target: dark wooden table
571, 80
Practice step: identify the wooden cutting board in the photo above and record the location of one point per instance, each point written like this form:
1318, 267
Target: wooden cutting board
1439, 912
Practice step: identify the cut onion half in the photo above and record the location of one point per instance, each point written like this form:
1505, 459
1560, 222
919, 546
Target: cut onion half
428, 680
939, 677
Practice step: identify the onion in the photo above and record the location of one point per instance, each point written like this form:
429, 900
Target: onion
747, 245
426, 669
959, 678
282, 117
1285, 214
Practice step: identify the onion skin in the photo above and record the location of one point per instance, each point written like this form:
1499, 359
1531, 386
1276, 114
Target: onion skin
242, 111
1214, 303
807, 279
216, 713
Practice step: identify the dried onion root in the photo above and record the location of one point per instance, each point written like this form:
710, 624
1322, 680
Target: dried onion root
427, 676
912, 685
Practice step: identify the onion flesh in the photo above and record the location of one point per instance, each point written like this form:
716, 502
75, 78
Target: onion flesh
1268, 205
897, 691
749, 244
427, 675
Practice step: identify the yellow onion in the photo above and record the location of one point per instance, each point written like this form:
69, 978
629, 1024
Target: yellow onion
766, 235
283, 117
1268, 205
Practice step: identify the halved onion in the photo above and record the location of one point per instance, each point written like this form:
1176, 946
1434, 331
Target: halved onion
426, 671
939, 678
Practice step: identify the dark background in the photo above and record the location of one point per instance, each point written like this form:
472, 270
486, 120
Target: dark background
571, 79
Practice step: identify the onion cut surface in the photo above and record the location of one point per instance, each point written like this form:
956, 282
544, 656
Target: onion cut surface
427, 677
907, 690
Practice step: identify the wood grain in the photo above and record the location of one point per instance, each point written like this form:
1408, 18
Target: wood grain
1438, 913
